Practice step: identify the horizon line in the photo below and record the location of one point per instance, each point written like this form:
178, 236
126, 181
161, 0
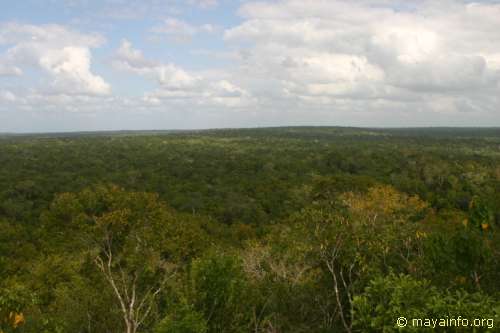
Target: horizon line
20, 133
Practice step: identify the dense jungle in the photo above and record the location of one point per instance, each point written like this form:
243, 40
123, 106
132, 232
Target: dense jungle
293, 229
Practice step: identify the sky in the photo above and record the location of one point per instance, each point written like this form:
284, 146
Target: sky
88, 65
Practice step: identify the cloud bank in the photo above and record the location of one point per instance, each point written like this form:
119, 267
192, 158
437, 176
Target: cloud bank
286, 62
365, 55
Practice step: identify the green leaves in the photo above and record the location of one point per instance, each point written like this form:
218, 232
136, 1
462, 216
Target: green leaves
14, 301
184, 319
390, 297
219, 292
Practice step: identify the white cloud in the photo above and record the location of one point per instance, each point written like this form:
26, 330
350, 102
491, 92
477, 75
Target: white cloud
70, 69
7, 69
130, 9
177, 85
181, 31
63, 54
49, 34
176, 29
168, 75
338, 53
366, 62
7, 96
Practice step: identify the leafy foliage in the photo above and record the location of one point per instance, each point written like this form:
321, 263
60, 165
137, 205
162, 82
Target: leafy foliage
393, 296
258, 230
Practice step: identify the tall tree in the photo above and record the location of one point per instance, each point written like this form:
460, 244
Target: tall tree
125, 235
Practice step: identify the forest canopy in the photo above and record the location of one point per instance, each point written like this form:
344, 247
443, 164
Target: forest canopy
252, 230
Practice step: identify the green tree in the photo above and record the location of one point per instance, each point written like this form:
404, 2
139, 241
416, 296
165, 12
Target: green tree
128, 236
390, 297
219, 291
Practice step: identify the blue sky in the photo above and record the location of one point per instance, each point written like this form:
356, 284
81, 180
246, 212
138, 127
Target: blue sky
71, 65
132, 20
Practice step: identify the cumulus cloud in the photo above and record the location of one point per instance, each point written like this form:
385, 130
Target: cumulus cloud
177, 85
167, 75
339, 52
62, 54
